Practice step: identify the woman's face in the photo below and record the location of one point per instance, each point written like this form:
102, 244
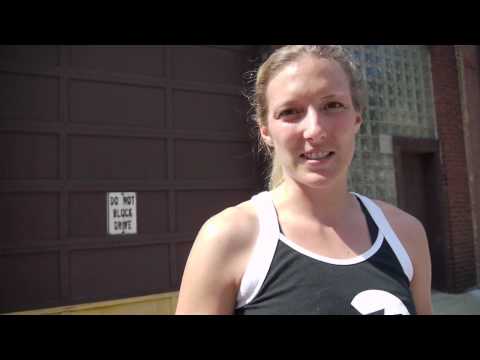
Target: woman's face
311, 121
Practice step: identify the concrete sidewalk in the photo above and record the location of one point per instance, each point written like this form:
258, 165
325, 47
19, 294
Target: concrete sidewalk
467, 303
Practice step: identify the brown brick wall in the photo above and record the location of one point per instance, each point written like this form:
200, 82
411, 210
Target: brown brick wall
470, 61
460, 248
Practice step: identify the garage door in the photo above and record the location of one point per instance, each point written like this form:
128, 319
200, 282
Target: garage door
166, 123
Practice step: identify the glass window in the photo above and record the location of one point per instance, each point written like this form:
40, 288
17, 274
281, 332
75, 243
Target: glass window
400, 102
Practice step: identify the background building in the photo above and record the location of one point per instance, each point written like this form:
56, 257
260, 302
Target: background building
170, 125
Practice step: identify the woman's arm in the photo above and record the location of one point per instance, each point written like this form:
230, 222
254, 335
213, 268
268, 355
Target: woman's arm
421, 284
412, 234
216, 263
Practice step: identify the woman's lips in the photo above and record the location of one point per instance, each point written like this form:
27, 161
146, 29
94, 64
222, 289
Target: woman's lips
317, 159
317, 156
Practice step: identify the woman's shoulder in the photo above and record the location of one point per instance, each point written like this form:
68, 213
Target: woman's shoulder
399, 218
409, 230
233, 229
217, 261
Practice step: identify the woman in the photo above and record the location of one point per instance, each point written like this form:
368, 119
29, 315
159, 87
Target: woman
308, 246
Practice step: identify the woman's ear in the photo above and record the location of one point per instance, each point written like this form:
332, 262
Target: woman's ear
265, 134
358, 122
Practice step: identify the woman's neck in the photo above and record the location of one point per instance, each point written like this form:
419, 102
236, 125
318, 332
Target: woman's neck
328, 205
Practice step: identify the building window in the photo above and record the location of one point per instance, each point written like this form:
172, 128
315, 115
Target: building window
400, 103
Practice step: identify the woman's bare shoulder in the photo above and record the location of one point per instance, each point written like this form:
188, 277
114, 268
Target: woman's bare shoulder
412, 235
400, 219
232, 229
408, 228
217, 261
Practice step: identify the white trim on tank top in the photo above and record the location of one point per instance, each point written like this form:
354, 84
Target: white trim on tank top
349, 261
383, 224
263, 250
269, 235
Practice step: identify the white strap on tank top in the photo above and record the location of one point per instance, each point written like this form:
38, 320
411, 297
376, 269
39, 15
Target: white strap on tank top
269, 234
378, 216
263, 251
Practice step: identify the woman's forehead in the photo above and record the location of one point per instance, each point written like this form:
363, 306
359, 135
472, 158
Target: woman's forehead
307, 75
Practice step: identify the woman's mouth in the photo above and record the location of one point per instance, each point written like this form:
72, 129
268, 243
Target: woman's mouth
317, 156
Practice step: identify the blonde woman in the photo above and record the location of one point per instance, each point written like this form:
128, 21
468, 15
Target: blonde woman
309, 245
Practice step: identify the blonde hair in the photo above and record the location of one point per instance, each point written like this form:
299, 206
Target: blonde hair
273, 65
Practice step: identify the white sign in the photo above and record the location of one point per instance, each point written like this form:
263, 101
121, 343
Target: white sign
122, 213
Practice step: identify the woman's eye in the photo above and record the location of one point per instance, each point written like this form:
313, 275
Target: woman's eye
334, 106
288, 112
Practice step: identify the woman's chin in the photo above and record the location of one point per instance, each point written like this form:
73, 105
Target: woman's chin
318, 181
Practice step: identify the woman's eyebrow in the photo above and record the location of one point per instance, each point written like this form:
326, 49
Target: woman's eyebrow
333, 95
293, 101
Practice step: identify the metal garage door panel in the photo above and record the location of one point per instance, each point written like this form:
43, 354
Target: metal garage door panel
38, 56
29, 281
195, 159
126, 158
120, 59
208, 64
193, 208
28, 156
32, 98
113, 120
116, 104
152, 212
119, 272
29, 218
209, 111
87, 214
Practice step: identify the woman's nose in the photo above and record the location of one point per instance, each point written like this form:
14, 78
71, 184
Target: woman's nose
314, 126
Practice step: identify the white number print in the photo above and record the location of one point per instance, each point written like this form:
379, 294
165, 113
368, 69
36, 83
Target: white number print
378, 302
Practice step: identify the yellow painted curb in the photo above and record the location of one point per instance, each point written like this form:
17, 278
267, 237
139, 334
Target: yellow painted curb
158, 304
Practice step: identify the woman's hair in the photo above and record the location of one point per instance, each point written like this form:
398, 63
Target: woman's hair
273, 65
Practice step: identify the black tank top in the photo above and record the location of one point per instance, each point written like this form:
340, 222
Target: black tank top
299, 282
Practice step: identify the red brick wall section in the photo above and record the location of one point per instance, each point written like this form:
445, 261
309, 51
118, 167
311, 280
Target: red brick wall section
460, 249
471, 119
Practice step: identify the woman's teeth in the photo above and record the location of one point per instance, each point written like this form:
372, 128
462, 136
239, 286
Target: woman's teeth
317, 156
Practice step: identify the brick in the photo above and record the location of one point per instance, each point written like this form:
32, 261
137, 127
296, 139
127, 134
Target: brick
461, 260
